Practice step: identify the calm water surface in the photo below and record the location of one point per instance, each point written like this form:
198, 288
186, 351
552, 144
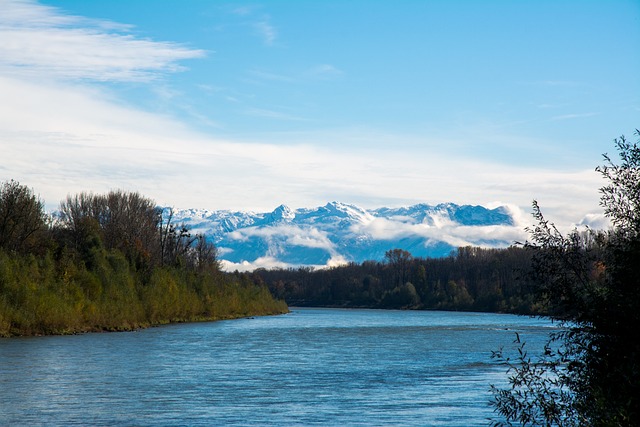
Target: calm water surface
311, 367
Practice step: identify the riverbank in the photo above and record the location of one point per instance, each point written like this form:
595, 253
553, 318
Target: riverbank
48, 296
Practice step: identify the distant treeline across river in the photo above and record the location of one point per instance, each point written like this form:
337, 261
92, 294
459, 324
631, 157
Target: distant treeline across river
475, 279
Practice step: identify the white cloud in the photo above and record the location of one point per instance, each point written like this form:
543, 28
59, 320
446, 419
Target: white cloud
242, 11
41, 41
67, 138
443, 231
267, 31
595, 222
308, 237
269, 262
68, 134
262, 262
280, 238
325, 71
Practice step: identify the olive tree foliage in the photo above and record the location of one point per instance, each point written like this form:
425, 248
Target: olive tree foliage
588, 374
21, 216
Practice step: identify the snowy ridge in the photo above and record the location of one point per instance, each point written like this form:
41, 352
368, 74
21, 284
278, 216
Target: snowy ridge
337, 233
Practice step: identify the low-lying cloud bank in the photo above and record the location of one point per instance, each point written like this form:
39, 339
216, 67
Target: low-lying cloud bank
321, 239
339, 233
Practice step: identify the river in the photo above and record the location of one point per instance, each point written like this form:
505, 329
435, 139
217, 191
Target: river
328, 367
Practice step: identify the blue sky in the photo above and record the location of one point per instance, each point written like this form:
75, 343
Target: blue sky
234, 105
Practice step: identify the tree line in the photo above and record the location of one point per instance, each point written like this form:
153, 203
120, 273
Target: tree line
471, 278
110, 261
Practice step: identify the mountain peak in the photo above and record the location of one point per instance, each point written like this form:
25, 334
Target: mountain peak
282, 213
340, 232
344, 210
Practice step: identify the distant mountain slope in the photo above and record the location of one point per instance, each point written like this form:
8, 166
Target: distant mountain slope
337, 233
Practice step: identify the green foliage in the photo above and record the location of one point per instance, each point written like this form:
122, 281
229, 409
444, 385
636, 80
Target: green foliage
621, 198
470, 279
403, 296
40, 296
589, 281
21, 217
97, 272
538, 396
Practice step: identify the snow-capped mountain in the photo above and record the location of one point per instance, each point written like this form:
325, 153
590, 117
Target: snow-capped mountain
337, 233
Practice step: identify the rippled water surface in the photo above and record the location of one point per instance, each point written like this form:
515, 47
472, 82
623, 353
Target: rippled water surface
310, 367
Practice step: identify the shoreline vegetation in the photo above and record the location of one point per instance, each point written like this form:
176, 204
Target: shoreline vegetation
117, 262
113, 262
42, 296
469, 279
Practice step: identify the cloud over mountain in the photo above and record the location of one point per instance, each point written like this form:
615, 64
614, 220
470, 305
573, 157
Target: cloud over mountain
337, 233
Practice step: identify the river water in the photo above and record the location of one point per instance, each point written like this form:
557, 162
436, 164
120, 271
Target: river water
326, 367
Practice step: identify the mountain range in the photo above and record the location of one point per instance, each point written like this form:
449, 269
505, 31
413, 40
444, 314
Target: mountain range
338, 233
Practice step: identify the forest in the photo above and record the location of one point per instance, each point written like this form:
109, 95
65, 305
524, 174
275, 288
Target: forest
108, 263
471, 279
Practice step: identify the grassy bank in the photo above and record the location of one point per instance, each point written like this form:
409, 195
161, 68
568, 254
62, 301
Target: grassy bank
44, 295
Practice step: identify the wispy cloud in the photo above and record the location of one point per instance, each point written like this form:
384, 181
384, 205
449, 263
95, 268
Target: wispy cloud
266, 30
308, 237
43, 41
318, 72
242, 10
60, 138
280, 236
444, 231
279, 239
262, 262
325, 71
272, 262
69, 134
